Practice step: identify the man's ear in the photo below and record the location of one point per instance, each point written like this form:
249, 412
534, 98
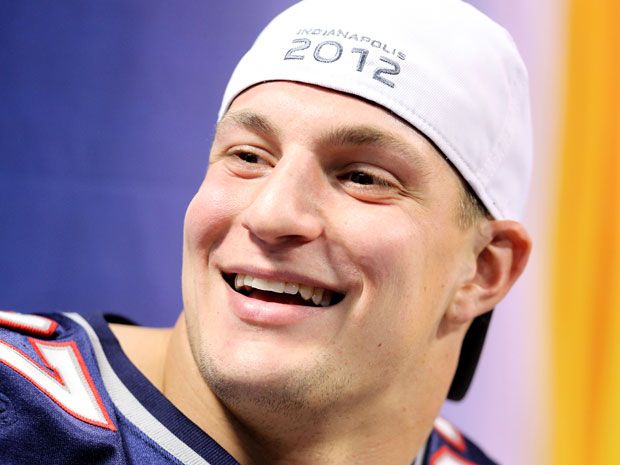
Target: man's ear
502, 251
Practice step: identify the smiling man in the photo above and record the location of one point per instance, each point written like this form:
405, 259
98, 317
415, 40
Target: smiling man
355, 227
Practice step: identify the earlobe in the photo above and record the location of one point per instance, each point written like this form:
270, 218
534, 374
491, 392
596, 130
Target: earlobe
503, 251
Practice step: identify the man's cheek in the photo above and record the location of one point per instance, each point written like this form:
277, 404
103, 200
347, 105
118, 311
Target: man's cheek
382, 245
210, 212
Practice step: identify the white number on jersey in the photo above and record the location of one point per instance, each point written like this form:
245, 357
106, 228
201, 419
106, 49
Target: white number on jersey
32, 324
63, 377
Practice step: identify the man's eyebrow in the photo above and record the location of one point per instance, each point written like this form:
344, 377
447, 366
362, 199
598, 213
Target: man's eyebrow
370, 135
357, 135
250, 120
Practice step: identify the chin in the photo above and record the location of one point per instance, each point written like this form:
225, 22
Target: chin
266, 386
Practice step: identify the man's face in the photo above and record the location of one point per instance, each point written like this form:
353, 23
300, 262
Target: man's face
315, 192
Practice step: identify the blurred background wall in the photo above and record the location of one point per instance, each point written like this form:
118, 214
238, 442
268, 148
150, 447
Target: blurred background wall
107, 109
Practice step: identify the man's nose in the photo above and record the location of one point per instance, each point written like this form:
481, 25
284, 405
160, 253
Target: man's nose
287, 208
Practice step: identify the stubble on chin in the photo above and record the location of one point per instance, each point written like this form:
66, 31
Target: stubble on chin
294, 394
302, 393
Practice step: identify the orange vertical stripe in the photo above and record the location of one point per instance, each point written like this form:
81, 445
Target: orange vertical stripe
586, 286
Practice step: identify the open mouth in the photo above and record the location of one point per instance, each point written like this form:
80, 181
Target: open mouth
282, 292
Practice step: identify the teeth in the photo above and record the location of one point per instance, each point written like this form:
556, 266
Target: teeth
291, 288
306, 292
266, 285
319, 296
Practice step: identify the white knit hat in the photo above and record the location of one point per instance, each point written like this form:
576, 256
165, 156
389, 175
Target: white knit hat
441, 65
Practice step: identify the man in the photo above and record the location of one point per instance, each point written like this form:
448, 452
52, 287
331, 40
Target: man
355, 227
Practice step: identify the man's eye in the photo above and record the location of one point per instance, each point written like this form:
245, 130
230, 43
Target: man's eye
361, 178
366, 179
248, 162
248, 157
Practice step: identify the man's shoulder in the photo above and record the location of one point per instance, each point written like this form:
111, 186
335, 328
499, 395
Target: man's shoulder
448, 446
46, 362
69, 394
53, 404
30, 335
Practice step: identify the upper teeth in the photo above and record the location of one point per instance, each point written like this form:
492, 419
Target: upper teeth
318, 295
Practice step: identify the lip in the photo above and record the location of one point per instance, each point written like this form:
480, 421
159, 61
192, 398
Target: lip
258, 312
269, 314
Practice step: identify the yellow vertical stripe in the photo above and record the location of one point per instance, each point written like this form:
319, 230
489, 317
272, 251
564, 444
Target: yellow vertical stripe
586, 284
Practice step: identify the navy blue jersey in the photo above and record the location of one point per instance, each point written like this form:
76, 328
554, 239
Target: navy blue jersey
69, 395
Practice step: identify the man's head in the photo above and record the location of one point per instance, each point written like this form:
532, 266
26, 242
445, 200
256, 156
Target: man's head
330, 177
